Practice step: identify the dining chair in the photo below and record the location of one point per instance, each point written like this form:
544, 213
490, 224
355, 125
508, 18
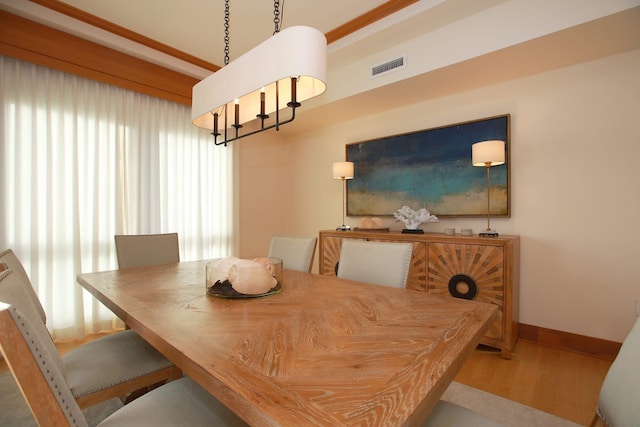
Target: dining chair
115, 365
139, 250
382, 263
12, 262
36, 366
296, 252
619, 399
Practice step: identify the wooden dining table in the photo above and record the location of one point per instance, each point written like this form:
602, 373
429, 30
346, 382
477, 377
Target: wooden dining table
324, 351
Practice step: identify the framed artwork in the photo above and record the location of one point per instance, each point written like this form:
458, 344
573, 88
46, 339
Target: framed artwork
429, 169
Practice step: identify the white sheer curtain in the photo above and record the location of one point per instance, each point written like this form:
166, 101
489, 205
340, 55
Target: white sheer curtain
81, 161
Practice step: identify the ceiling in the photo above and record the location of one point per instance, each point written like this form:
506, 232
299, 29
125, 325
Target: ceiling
182, 34
193, 30
195, 27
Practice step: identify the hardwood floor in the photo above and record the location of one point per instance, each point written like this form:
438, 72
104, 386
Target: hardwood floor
559, 382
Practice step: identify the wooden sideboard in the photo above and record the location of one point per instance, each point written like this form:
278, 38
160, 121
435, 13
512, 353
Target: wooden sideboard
485, 269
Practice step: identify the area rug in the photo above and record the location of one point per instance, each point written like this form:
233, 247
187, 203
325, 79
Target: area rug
14, 411
504, 411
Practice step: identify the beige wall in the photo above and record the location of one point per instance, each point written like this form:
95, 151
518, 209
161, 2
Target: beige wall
575, 135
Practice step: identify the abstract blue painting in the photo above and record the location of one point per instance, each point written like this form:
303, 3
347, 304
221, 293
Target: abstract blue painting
429, 169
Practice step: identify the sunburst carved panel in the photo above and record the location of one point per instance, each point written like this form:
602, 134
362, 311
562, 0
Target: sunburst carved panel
330, 255
483, 264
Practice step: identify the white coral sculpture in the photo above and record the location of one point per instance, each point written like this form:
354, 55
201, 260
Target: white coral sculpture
412, 219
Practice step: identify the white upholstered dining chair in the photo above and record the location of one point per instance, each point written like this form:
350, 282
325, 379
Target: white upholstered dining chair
115, 365
139, 250
43, 379
619, 400
12, 262
296, 252
382, 263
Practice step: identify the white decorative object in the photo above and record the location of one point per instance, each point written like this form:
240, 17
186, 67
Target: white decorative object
233, 277
250, 277
412, 219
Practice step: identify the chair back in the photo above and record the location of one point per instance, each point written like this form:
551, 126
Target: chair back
138, 250
382, 263
619, 401
15, 289
11, 261
35, 364
296, 252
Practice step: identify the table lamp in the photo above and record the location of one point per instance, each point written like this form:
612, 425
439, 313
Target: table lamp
487, 154
343, 171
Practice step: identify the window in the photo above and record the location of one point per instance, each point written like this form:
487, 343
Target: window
81, 161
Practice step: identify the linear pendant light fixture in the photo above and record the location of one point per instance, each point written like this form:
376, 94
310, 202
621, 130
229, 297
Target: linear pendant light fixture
283, 71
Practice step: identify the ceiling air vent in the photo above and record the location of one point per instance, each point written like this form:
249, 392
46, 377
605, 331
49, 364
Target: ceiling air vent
389, 66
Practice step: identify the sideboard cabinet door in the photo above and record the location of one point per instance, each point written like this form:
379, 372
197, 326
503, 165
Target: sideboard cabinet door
469, 271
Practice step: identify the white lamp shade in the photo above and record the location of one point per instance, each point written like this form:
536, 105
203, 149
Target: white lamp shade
487, 153
297, 51
343, 170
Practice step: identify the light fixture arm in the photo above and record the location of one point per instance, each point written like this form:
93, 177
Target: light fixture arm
291, 104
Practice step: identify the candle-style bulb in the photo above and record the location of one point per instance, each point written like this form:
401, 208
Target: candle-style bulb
294, 101
262, 116
236, 124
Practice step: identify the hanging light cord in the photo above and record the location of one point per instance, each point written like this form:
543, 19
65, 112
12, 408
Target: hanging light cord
226, 32
277, 16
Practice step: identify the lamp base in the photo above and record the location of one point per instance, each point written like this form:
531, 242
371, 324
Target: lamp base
343, 228
488, 233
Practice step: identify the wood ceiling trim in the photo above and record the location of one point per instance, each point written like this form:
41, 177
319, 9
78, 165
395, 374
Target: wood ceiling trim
368, 18
344, 30
103, 24
29, 41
